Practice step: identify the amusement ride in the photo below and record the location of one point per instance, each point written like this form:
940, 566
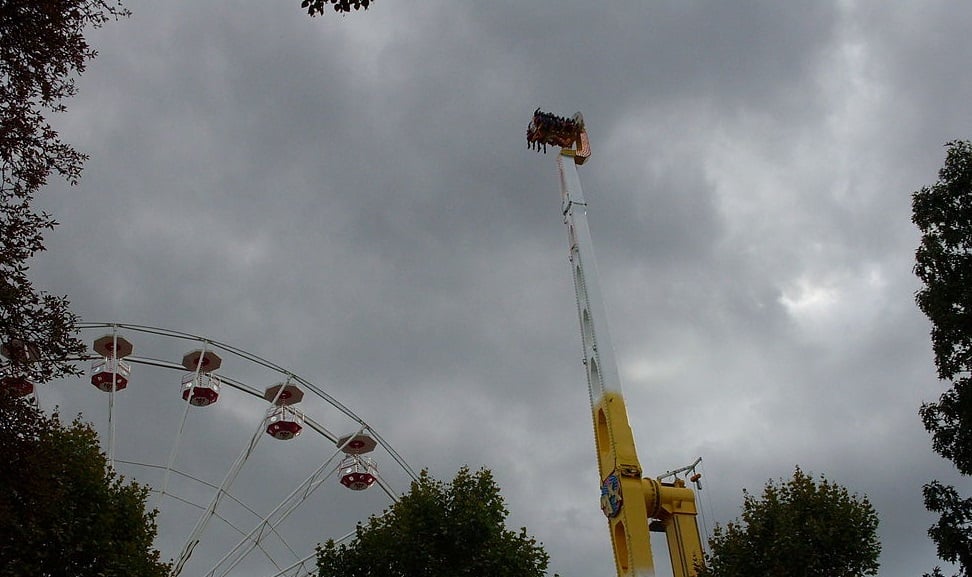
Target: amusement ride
262, 512
633, 504
195, 416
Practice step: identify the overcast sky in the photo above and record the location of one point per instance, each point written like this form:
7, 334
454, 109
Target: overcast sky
352, 198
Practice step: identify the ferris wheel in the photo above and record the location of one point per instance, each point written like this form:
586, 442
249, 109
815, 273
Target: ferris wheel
250, 466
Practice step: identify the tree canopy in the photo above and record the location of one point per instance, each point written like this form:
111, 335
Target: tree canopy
798, 528
943, 262
62, 510
42, 52
316, 7
439, 530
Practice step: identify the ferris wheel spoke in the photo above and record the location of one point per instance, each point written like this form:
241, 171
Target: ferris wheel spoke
192, 478
279, 513
300, 564
111, 405
173, 452
193, 539
182, 422
225, 520
236, 528
269, 524
226, 494
111, 428
297, 568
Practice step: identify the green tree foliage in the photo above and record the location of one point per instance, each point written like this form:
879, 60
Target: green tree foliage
951, 532
943, 262
62, 511
439, 530
797, 528
316, 7
42, 52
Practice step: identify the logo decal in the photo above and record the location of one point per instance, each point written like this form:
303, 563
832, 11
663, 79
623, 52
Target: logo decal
611, 496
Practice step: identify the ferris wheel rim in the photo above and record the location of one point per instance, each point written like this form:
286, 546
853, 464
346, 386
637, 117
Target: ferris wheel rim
241, 353
290, 377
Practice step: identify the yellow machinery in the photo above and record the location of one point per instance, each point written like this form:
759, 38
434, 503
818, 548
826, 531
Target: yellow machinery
633, 504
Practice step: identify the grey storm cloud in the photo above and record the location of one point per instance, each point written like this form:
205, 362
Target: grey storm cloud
352, 198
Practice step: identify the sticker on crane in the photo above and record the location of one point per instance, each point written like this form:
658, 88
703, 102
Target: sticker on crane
611, 496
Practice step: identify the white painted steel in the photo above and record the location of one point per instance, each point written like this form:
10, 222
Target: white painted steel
278, 555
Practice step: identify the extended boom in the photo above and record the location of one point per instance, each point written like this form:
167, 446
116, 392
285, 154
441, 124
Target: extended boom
633, 504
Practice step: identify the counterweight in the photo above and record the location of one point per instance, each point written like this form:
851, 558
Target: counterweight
633, 505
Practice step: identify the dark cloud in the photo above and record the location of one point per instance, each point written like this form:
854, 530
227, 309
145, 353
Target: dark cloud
353, 199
